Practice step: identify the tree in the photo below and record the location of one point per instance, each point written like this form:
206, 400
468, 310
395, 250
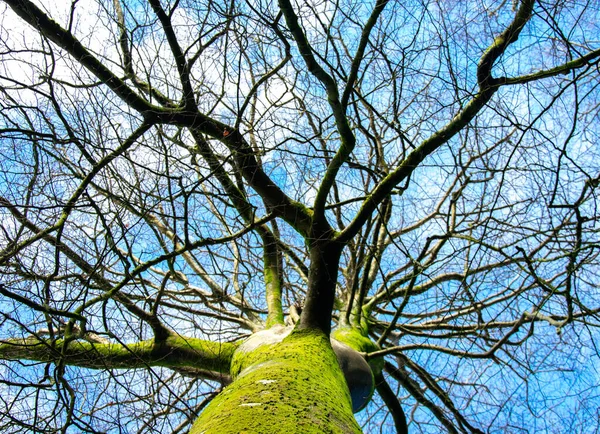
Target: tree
213, 214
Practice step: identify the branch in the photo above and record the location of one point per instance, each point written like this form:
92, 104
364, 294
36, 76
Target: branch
501, 43
413, 160
112, 290
182, 65
415, 390
128, 61
487, 88
489, 354
294, 213
360, 52
432, 385
10, 251
205, 358
306, 51
561, 69
50, 29
392, 403
36, 306
272, 265
347, 139
271, 255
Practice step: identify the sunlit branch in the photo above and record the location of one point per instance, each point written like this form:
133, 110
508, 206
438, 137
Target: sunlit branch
501, 43
273, 282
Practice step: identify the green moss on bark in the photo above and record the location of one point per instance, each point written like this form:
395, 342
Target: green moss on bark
292, 386
355, 339
175, 351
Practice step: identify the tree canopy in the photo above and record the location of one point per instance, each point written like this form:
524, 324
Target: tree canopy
178, 175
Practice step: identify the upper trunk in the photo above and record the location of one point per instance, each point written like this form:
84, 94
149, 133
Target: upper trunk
318, 307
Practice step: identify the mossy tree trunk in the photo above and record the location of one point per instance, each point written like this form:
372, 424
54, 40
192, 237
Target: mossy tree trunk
294, 386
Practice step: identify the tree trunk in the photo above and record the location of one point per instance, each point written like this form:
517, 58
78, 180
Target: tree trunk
290, 386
